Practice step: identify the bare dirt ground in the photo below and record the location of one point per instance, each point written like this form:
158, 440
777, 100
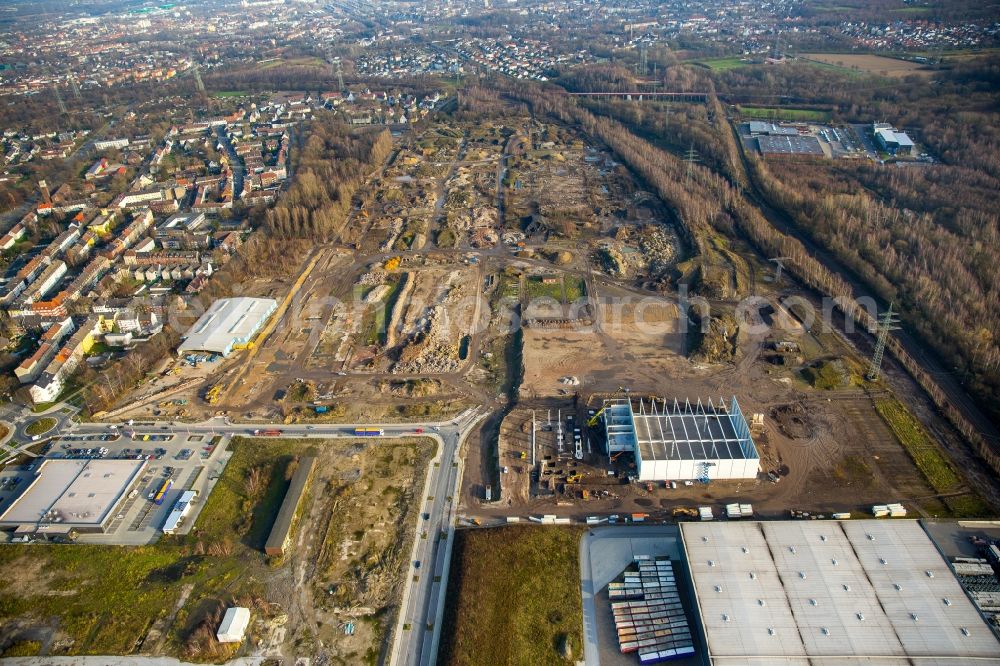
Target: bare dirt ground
345, 564
350, 549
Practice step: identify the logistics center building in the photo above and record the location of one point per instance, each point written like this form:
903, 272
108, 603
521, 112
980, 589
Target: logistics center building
681, 441
230, 323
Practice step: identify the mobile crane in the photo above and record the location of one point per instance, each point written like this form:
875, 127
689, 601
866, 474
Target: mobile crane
622, 390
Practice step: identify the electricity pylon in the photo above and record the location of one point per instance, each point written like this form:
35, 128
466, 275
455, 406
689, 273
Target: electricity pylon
886, 322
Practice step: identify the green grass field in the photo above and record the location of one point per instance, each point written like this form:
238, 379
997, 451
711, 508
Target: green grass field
510, 286
105, 598
535, 288
304, 61
924, 451
722, 64
514, 594
576, 288
779, 113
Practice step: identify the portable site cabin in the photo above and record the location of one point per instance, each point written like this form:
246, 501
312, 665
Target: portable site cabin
234, 625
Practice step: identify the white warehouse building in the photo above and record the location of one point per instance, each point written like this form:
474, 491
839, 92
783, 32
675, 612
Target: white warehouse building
682, 441
230, 323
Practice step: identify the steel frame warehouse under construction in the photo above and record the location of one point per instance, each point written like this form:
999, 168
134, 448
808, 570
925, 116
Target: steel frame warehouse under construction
680, 441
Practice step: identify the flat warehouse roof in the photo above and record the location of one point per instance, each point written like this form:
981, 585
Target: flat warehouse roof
789, 145
815, 589
227, 322
76, 492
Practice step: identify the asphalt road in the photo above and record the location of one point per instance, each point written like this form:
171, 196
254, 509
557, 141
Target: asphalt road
417, 634
235, 163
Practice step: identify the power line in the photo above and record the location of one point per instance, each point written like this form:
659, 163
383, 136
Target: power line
73, 83
59, 99
780, 266
197, 79
340, 74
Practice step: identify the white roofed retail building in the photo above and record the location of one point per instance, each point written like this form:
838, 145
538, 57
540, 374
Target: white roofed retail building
675, 441
71, 494
230, 323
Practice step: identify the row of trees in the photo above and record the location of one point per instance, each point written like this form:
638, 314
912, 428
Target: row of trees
942, 275
924, 236
711, 200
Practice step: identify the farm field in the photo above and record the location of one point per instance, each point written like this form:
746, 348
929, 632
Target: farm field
870, 64
722, 64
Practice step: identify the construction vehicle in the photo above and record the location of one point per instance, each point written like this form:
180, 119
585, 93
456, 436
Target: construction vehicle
574, 478
477, 522
524, 455
596, 417
614, 456
685, 511
213, 394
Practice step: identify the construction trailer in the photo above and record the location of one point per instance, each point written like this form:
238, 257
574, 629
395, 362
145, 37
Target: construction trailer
682, 441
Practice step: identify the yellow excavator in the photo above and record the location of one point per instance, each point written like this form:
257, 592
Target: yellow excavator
213, 394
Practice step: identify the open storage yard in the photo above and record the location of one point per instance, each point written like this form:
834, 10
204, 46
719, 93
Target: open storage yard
819, 434
344, 565
516, 266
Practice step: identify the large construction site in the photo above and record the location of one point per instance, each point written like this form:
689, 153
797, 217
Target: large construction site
515, 265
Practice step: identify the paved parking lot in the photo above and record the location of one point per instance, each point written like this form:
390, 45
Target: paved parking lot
187, 461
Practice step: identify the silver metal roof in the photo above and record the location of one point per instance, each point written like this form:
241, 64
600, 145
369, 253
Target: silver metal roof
73, 492
227, 322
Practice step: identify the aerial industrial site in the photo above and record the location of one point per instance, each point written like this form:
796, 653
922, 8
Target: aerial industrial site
499, 333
